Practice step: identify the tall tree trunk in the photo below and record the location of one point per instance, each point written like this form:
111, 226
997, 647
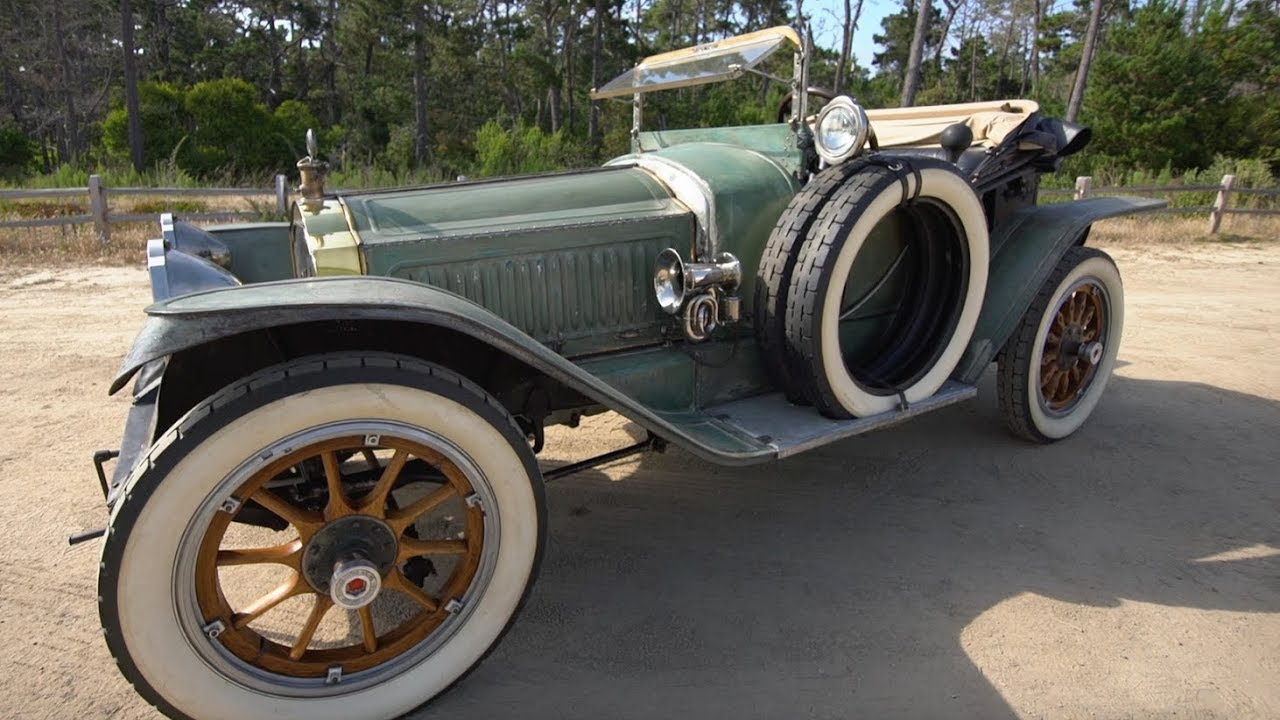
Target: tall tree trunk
1001, 72
131, 86
973, 67
71, 142
911, 83
275, 80
163, 41
594, 136
1086, 60
1026, 68
1036, 20
570, 65
553, 107
421, 128
953, 6
846, 43
332, 52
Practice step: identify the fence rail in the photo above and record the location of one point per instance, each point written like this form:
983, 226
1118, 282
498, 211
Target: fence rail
102, 217
1220, 208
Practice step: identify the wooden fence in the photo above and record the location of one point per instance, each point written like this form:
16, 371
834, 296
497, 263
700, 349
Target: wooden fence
102, 218
1220, 208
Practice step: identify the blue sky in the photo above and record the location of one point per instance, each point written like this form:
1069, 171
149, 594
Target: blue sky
828, 14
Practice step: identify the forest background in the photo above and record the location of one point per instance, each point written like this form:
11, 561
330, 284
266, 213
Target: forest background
401, 91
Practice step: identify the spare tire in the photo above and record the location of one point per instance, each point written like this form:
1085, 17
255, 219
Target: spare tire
887, 287
773, 278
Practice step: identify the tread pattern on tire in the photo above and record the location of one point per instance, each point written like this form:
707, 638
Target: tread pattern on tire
1013, 363
773, 279
133, 497
808, 284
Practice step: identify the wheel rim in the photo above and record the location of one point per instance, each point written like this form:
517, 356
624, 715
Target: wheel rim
1074, 345
349, 552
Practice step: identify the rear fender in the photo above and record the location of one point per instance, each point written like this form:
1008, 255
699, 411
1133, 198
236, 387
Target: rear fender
1024, 251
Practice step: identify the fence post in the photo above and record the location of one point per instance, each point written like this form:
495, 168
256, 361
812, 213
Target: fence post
282, 194
1084, 186
98, 208
1221, 204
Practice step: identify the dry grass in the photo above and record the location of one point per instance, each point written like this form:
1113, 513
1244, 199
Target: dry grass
78, 244
1182, 230
63, 246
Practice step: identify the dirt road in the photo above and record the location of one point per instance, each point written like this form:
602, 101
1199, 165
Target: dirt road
939, 569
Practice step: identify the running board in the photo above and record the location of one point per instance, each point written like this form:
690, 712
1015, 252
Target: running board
790, 429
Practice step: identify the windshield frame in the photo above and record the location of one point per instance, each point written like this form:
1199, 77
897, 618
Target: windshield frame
703, 64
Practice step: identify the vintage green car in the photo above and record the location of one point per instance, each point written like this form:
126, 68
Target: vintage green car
327, 502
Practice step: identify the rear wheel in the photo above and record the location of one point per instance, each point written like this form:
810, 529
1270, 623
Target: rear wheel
1054, 369
340, 537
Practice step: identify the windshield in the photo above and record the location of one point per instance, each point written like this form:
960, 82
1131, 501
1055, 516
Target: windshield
712, 62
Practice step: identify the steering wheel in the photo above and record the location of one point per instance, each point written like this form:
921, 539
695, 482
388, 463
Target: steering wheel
784, 107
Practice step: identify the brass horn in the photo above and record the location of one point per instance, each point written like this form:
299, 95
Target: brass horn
674, 280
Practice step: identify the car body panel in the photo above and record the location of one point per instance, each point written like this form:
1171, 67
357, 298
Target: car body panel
776, 141
259, 251
1024, 251
199, 318
747, 192
566, 258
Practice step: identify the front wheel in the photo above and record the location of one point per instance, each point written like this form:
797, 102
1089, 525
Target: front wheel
338, 537
1052, 372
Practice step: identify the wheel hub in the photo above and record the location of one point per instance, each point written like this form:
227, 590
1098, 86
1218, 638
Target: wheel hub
1091, 352
347, 558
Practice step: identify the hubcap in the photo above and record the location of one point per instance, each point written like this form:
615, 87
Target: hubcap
355, 584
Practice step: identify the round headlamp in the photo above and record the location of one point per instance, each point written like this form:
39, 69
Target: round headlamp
841, 130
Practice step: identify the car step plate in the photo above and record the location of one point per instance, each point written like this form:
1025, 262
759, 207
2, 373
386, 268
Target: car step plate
792, 429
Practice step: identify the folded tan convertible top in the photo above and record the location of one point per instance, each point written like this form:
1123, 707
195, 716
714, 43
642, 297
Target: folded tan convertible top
922, 126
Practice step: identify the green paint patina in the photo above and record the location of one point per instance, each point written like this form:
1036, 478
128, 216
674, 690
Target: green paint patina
1024, 252
567, 258
776, 142
749, 192
259, 251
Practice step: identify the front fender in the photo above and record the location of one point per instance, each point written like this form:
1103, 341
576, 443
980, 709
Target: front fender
1024, 252
194, 320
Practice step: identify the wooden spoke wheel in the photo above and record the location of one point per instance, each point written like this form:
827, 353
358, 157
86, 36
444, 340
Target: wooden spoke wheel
340, 537
1073, 346
344, 555
1054, 367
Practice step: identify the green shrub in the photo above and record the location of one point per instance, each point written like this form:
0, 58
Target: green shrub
525, 150
165, 124
17, 151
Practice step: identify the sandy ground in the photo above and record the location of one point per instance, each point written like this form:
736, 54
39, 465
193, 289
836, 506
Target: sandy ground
939, 569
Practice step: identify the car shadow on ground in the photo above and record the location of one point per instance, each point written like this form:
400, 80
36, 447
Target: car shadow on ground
838, 583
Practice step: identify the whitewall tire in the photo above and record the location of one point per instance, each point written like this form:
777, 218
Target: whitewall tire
358, 421
1053, 370
921, 268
